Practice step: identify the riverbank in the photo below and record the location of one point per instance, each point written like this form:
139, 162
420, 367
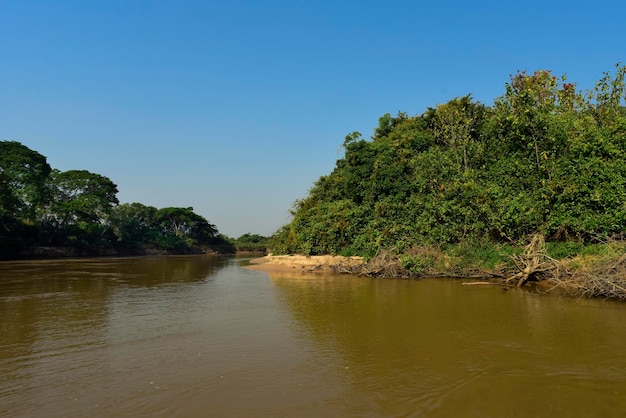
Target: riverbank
53, 252
305, 264
592, 272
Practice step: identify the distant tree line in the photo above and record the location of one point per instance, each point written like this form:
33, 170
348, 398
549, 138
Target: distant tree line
251, 243
41, 206
544, 157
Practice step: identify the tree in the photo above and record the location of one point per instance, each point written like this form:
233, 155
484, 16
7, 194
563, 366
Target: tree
134, 224
608, 95
249, 238
185, 225
457, 124
8, 201
527, 121
79, 195
23, 177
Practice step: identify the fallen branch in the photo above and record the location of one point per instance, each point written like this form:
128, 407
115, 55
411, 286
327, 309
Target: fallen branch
479, 283
533, 263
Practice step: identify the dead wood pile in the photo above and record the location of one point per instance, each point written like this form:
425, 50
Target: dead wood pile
533, 263
606, 279
385, 265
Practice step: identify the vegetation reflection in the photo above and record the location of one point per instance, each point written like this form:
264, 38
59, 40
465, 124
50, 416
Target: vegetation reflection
424, 347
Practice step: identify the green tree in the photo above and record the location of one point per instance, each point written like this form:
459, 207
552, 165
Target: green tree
134, 224
183, 227
607, 97
79, 195
458, 124
589, 188
525, 142
78, 211
23, 177
8, 201
249, 238
526, 122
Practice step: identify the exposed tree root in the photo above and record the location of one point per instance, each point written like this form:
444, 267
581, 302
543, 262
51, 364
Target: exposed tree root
533, 264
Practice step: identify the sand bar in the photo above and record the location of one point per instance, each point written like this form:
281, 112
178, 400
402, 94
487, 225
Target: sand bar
311, 264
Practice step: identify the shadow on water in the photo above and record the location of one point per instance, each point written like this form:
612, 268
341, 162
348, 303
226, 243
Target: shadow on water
79, 274
48, 307
81, 286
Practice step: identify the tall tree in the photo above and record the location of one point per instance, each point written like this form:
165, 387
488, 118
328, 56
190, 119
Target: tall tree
185, 224
23, 176
134, 224
79, 195
457, 124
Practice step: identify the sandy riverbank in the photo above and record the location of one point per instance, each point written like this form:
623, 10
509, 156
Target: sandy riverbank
301, 263
587, 276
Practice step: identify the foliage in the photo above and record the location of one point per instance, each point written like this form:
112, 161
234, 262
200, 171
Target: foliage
79, 195
249, 238
251, 242
544, 157
183, 227
78, 208
23, 175
486, 255
134, 224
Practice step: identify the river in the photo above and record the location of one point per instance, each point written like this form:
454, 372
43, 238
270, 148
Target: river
200, 336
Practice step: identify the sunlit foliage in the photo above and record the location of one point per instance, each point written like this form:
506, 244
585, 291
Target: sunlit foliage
544, 157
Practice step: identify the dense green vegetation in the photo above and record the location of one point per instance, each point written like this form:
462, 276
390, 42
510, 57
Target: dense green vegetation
251, 243
41, 206
543, 158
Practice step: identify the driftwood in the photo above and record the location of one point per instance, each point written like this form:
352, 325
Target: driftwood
480, 283
604, 280
383, 265
533, 263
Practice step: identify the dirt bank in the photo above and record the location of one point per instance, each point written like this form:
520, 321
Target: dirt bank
590, 276
301, 263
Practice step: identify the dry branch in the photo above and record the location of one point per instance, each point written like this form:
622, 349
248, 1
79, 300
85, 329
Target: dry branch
606, 279
533, 263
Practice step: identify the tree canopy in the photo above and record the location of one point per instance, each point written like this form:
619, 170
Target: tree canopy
44, 206
544, 157
23, 177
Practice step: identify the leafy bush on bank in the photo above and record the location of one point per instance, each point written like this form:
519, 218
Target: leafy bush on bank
544, 158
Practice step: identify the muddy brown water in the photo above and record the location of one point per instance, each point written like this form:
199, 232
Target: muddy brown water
201, 336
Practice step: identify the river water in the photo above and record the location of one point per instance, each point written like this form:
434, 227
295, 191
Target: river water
200, 336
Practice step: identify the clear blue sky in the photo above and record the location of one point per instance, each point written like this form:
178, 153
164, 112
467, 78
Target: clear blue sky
237, 107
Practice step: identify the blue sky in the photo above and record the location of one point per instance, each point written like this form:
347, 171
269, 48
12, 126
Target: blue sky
237, 107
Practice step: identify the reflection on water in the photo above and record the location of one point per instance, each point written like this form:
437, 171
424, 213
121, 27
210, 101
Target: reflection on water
57, 315
435, 348
201, 336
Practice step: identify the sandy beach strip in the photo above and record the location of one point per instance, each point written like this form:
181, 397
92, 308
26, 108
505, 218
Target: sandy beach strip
311, 264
